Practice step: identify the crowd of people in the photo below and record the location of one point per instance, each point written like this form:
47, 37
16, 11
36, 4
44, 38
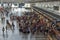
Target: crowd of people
33, 23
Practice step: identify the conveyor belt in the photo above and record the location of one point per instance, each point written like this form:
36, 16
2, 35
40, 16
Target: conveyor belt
54, 16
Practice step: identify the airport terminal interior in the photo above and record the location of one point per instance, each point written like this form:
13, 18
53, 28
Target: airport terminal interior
29, 20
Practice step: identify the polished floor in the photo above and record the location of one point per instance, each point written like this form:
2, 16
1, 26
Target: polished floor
15, 34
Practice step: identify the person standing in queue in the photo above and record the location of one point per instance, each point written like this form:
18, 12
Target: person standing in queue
13, 25
6, 29
3, 31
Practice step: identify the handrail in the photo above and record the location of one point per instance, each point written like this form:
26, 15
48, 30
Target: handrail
54, 16
43, 14
46, 16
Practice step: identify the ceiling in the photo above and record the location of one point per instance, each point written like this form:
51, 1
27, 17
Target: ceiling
21, 1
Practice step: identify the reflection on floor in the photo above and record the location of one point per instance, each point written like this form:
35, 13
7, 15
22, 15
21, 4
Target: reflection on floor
15, 34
